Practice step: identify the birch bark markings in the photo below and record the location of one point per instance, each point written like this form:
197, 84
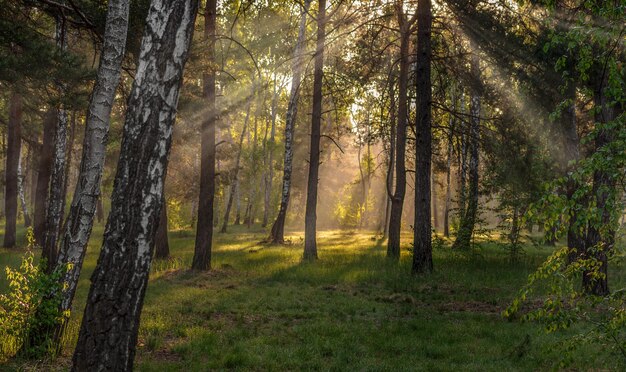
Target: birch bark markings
108, 333
87, 192
12, 164
277, 235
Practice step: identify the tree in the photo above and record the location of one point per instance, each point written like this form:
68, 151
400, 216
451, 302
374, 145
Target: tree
310, 221
204, 229
12, 163
397, 199
108, 333
422, 234
86, 197
277, 235
162, 245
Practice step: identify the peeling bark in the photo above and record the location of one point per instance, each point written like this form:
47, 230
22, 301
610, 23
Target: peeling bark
86, 198
108, 333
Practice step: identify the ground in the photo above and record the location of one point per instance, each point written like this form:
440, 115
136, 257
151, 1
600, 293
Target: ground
261, 308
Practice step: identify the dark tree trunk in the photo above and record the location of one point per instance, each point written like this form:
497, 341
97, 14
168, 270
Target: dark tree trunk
422, 235
43, 174
446, 213
277, 234
310, 221
392, 153
68, 165
204, 229
14, 144
161, 243
601, 235
468, 217
108, 333
397, 200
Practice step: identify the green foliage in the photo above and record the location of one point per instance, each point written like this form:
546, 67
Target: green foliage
31, 307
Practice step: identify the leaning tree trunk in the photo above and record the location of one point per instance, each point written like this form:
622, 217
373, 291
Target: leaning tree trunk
43, 174
277, 234
468, 218
161, 243
269, 177
234, 184
422, 235
87, 197
55, 204
204, 229
397, 200
108, 333
310, 220
14, 144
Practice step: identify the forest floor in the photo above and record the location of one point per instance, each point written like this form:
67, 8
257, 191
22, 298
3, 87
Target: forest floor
261, 308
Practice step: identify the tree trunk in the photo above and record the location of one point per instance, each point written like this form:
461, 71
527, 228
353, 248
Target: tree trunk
310, 221
270, 163
56, 203
99, 210
68, 165
21, 193
234, 185
392, 149
87, 199
204, 229
43, 174
108, 333
468, 218
422, 234
446, 214
397, 200
161, 243
277, 234
14, 144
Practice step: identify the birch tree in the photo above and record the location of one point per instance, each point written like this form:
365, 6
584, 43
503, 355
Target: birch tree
108, 334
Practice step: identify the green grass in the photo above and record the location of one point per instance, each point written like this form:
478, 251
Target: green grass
261, 308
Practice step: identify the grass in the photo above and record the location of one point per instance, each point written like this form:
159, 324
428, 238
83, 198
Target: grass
262, 308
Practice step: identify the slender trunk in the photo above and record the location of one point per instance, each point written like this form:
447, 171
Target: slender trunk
392, 152
310, 224
108, 333
397, 200
14, 135
86, 199
68, 165
22, 196
468, 219
161, 243
277, 234
270, 163
204, 229
446, 214
422, 235
43, 174
234, 185
434, 201
99, 210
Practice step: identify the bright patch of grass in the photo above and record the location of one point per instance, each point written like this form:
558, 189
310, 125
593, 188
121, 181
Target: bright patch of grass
262, 308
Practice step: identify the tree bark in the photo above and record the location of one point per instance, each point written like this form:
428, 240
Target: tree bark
87, 198
161, 243
397, 200
43, 174
68, 166
422, 234
468, 218
269, 179
21, 193
310, 221
277, 234
204, 229
14, 144
108, 333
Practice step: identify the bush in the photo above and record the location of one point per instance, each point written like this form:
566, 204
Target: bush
29, 312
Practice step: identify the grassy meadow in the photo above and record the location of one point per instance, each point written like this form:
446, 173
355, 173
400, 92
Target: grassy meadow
261, 308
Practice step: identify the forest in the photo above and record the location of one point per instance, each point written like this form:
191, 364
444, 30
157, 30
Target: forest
374, 185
